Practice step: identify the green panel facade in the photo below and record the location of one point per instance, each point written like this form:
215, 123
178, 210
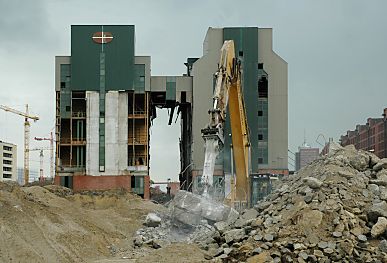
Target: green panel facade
263, 118
65, 91
85, 58
246, 47
171, 89
139, 78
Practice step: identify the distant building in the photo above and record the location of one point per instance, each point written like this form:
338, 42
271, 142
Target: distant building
305, 156
8, 161
33, 176
371, 136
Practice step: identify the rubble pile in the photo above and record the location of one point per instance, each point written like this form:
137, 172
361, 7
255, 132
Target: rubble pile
333, 210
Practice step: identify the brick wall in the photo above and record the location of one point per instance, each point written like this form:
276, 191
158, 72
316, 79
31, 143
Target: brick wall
87, 182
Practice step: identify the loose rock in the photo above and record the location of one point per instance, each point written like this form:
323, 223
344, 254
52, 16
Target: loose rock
380, 227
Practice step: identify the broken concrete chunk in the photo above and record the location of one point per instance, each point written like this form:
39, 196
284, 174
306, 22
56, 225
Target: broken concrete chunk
382, 164
152, 220
250, 214
360, 161
312, 182
337, 234
258, 237
377, 210
234, 235
199, 206
311, 218
322, 244
262, 205
380, 227
362, 238
374, 189
333, 148
383, 246
268, 237
221, 226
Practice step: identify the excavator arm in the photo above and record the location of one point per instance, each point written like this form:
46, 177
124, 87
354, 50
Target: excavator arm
228, 92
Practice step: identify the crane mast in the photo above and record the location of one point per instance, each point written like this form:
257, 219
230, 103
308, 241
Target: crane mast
26, 116
228, 92
51, 140
41, 156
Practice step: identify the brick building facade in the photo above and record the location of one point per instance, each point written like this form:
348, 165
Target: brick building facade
371, 136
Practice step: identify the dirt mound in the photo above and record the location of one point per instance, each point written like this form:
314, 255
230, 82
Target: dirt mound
333, 210
51, 224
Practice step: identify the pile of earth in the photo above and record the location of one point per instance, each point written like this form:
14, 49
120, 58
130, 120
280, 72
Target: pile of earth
333, 210
53, 224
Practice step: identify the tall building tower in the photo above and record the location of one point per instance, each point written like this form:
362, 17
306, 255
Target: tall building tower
265, 87
103, 111
105, 101
8, 162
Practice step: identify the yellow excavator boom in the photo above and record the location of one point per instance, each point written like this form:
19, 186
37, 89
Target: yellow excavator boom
228, 91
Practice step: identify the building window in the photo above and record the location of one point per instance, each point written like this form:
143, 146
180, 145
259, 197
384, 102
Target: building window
7, 169
133, 182
63, 85
8, 155
68, 108
260, 137
7, 162
260, 113
260, 160
7, 176
142, 79
7, 148
137, 181
262, 87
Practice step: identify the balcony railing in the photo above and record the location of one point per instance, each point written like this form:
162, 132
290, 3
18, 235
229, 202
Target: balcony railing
71, 168
79, 141
140, 139
79, 114
65, 140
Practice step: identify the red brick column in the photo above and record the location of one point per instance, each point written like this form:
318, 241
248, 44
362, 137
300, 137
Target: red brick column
147, 187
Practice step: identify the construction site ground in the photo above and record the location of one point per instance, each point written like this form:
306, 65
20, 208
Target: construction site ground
51, 224
333, 210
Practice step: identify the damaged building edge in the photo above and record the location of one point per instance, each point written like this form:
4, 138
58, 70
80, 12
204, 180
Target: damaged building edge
106, 100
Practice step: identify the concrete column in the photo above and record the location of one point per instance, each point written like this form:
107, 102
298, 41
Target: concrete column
111, 133
122, 132
92, 133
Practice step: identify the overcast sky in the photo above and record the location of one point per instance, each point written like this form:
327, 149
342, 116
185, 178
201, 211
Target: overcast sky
335, 49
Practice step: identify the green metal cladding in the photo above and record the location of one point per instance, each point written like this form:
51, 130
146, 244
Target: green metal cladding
246, 44
65, 91
85, 58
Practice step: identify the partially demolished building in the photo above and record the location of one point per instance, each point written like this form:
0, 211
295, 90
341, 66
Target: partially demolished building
106, 99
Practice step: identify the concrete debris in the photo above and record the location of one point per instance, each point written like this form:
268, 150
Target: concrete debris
312, 182
380, 227
152, 220
191, 218
382, 164
333, 210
